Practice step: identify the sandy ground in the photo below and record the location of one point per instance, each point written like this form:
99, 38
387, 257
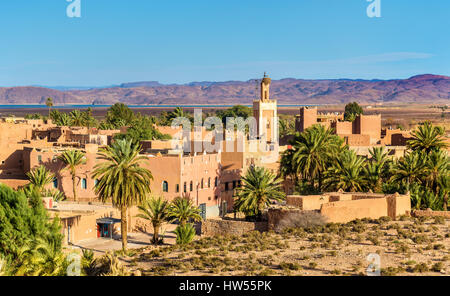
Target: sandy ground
135, 241
412, 247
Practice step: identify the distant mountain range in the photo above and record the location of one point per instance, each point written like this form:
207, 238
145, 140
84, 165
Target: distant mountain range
427, 89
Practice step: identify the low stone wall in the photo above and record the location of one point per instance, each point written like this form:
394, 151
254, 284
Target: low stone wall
430, 213
275, 215
212, 227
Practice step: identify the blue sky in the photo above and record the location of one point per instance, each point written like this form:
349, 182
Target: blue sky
174, 41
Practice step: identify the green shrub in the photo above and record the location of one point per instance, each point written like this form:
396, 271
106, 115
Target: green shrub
185, 234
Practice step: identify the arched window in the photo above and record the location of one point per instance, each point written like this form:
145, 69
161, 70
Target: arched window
185, 187
209, 182
165, 186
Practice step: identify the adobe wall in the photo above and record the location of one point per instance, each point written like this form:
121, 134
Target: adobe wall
430, 213
400, 139
212, 227
345, 207
308, 117
343, 127
368, 125
357, 140
348, 210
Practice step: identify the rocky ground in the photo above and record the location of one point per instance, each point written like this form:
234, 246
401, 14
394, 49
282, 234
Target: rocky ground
411, 246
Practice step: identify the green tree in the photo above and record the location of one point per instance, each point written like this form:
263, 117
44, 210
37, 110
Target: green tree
77, 118
183, 209
409, 169
427, 138
313, 150
234, 112
23, 223
346, 173
156, 210
49, 104
119, 115
286, 127
351, 111
377, 169
73, 159
122, 179
437, 165
141, 129
40, 177
259, 188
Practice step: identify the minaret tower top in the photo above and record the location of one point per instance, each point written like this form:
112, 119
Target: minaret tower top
265, 88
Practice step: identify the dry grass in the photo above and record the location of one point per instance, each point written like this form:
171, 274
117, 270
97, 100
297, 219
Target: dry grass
409, 247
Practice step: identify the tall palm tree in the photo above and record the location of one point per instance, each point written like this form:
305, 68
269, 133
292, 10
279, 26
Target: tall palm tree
427, 138
377, 168
183, 209
49, 103
259, 188
438, 164
40, 177
122, 179
156, 210
313, 149
410, 168
346, 173
72, 159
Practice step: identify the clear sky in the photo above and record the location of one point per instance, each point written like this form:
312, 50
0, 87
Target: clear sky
179, 41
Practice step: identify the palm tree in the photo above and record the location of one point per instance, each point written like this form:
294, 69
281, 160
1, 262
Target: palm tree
346, 173
40, 177
377, 169
77, 118
437, 164
72, 159
156, 210
259, 188
428, 138
122, 179
313, 149
444, 187
183, 209
49, 103
409, 169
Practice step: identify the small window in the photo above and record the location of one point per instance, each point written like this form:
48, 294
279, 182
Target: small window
216, 182
55, 183
84, 183
191, 186
177, 188
234, 184
165, 186
209, 182
185, 187
226, 186
39, 158
202, 184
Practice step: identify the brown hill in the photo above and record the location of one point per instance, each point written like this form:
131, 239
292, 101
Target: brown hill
418, 89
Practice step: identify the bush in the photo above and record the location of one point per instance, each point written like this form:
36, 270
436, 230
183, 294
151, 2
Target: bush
185, 234
305, 219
